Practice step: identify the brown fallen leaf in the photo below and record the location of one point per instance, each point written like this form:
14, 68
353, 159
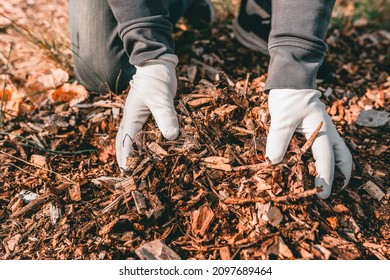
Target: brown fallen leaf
72, 93
6, 95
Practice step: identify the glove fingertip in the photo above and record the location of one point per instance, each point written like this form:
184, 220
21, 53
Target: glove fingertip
274, 157
326, 189
171, 134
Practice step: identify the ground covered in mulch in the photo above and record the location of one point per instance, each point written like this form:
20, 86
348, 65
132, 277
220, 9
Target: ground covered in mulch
209, 194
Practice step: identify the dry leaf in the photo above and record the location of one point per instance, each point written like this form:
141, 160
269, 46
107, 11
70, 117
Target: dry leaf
38, 84
6, 94
72, 93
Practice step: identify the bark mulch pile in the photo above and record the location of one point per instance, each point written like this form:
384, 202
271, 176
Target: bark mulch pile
210, 194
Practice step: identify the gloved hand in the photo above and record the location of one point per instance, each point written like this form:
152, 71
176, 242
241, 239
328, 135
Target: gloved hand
302, 111
152, 91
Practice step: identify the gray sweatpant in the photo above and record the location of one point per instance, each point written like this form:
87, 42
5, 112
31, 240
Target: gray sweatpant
296, 42
108, 37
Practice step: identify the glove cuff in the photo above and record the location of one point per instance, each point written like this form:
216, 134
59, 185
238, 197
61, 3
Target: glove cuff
292, 95
162, 59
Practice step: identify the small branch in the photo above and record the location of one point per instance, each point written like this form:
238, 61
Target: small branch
37, 166
252, 167
310, 141
31, 206
241, 201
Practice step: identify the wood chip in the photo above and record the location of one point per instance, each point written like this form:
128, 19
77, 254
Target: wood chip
75, 193
13, 242
201, 219
126, 185
284, 250
324, 253
156, 250
373, 190
140, 203
157, 207
224, 253
199, 102
219, 163
32, 206
157, 150
225, 110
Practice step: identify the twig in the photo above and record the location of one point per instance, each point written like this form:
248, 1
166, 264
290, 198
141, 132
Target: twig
311, 139
32, 205
241, 201
25, 171
245, 88
253, 167
37, 166
250, 244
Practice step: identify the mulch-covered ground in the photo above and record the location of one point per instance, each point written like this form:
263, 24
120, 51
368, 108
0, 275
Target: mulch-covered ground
209, 194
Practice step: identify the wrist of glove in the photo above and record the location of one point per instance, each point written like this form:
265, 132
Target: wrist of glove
302, 111
152, 91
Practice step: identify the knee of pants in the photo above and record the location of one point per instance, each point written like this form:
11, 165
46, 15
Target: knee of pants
103, 75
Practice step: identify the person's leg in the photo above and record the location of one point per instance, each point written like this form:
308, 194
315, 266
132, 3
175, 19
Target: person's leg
296, 42
252, 28
99, 55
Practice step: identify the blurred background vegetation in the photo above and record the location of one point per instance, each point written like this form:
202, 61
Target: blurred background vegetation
346, 12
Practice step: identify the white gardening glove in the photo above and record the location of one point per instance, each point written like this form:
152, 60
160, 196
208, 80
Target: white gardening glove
152, 91
302, 111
